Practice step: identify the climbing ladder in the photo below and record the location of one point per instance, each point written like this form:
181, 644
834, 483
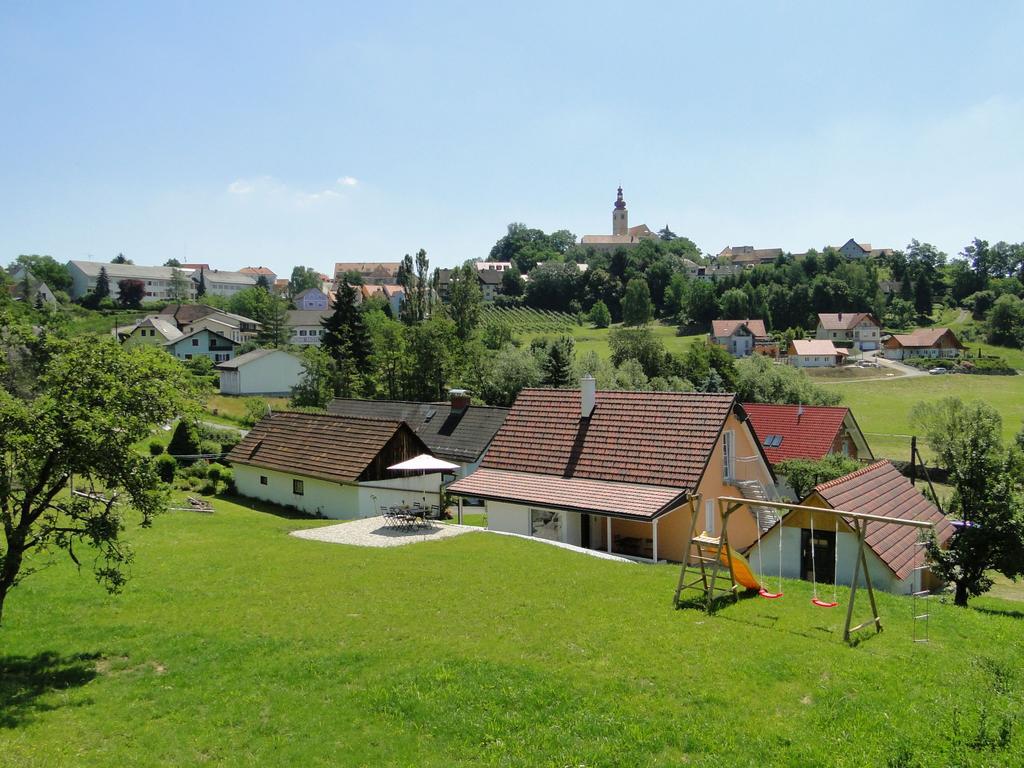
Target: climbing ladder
921, 602
704, 564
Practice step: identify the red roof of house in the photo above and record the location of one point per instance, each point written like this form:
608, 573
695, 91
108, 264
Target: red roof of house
879, 489
844, 321
807, 431
820, 347
728, 327
257, 271
923, 337
637, 454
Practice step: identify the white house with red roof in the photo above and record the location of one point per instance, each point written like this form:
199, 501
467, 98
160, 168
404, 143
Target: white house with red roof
860, 330
924, 342
739, 337
895, 558
615, 471
815, 353
807, 431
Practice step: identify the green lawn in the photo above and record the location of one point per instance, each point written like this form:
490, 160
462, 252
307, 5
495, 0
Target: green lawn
230, 410
237, 644
591, 339
882, 408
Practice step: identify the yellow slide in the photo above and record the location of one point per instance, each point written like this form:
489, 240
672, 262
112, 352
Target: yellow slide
741, 569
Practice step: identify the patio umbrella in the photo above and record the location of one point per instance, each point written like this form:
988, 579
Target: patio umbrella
426, 463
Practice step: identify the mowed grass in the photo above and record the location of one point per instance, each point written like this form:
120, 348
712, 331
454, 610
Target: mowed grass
237, 644
231, 409
882, 408
591, 339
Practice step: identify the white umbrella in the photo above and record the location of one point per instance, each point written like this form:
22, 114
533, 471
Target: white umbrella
426, 463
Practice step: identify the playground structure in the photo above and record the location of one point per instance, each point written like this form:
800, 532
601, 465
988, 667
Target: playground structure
719, 571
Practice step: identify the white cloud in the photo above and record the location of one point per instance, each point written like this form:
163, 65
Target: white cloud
270, 188
240, 187
348, 181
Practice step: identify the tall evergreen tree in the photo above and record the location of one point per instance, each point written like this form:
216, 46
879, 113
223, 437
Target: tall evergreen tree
923, 295
558, 367
102, 289
346, 337
274, 331
465, 302
201, 286
262, 282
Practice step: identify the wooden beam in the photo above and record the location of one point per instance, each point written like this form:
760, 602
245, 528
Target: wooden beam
827, 511
654, 548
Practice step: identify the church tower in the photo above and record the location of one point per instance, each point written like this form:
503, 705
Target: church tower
620, 218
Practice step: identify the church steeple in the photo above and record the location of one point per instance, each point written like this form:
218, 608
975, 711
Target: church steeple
620, 217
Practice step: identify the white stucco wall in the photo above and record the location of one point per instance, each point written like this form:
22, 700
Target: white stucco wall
275, 373
319, 497
812, 361
846, 543
510, 518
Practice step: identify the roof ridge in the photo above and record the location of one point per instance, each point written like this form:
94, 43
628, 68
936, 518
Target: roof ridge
858, 473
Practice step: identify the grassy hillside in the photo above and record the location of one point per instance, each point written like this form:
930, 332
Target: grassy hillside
590, 339
237, 644
882, 408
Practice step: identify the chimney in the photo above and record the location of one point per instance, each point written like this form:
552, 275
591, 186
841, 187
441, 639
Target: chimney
588, 395
459, 399
840, 317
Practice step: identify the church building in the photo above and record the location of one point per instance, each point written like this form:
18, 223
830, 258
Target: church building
623, 235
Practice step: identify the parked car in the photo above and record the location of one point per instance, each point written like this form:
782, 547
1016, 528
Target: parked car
937, 371
867, 364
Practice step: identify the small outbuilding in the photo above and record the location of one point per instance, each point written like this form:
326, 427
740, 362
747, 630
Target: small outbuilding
332, 466
924, 342
815, 353
260, 372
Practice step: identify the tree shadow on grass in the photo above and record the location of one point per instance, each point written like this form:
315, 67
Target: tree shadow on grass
25, 681
288, 513
999, 612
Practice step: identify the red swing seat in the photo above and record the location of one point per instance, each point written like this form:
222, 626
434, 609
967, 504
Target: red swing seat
768, 595
822, 603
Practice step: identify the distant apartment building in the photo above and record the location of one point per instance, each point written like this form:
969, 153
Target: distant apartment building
157, 280
221, 283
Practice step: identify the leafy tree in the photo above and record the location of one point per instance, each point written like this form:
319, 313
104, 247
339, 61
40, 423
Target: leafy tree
701, 306
495, 334
980, 303
512, 283
465, 301
130, 293
759, 380
601, 286
637, 308
506, 373
558, 366
901, 314
637, 344
735, 305
185, 441
318, 381
526, 247
201, 284
121, 259
181, 286
675, 295
83, 405
102, 289
803, 474
552, 285
709, 367
667, 234
986, 494
424, 298
923, 299
302, 279
390, 358
274, 330
432, 348
1006, 322
47, 269
599, 315
262, 283
172, 263
346, 338
250, 302
630, 376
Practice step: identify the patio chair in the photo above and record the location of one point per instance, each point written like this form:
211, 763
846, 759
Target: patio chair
386, 512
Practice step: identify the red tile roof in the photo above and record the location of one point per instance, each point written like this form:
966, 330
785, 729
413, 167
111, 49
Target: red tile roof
820, 347
729, 327
257, 271
650, 438
807, 431
627, 499
335, 448
923, 337
844, 321
879, 489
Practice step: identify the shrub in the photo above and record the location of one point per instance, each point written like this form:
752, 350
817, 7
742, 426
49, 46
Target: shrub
208, 489
255, 409
155, 447
166, 466
184, 441
992, 366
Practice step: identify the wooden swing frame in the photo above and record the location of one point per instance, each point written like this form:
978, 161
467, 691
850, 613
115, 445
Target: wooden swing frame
728, 505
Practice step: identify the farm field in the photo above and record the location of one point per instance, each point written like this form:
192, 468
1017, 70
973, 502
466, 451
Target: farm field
237, 644
882, 408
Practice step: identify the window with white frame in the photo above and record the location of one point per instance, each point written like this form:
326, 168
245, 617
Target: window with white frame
709, 515
729, 454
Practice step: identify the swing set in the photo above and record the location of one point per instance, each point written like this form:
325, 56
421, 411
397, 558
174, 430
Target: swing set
715, 564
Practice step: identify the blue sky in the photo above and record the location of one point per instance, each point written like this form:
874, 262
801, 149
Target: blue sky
248, 133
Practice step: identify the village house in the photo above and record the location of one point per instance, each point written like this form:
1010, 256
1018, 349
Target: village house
815, 353
188, 318
456, 431
202, 343
150, 331
623, 235
312, 299
257, 272
306, 326
260, 372
807, 431
488, 279
499, 266
370, 272
740, 338
615, 471
895, 557
924, 342
26, 287
860, 330
747, 256
851, 249
331, 466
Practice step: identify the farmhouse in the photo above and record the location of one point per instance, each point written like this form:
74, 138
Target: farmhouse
807, 432
924, 342
260, 372
202, 343
614, 470
896, 560
456, 431
623, 235
860, 330
815, 353
334, 466
739, 337
851, 249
